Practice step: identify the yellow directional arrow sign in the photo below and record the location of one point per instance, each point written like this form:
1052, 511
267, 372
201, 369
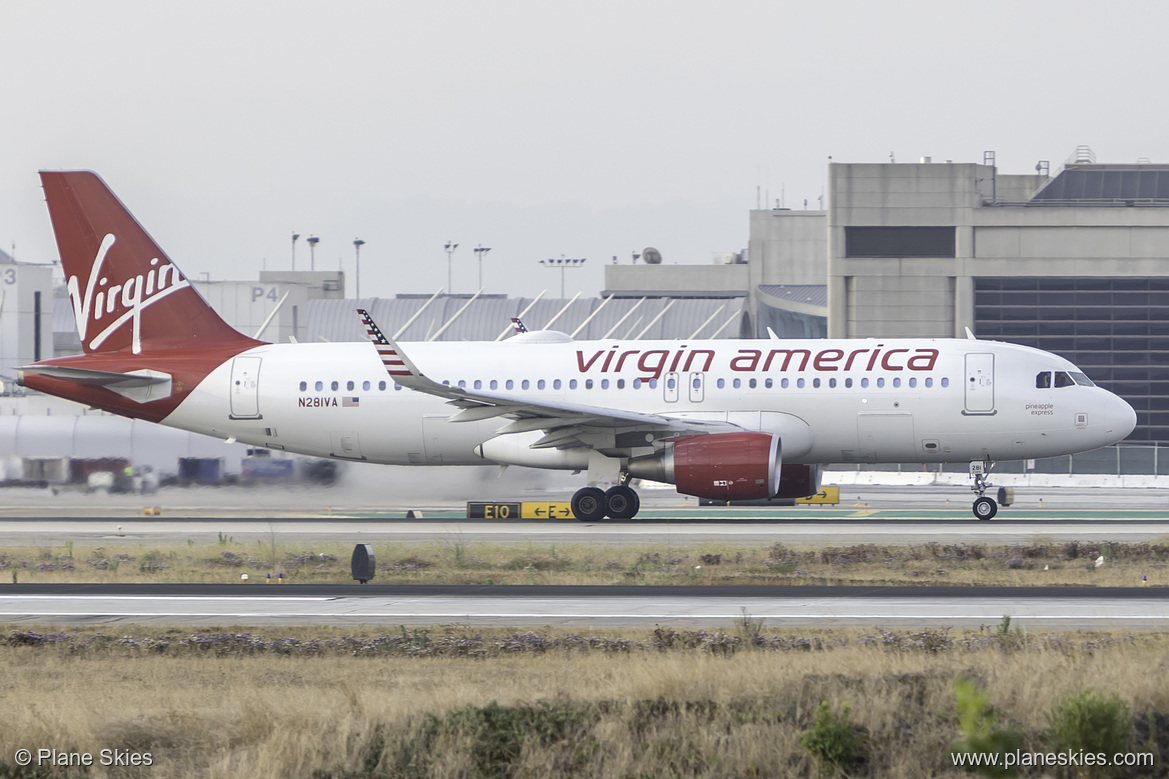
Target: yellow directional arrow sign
525, 510
826, 495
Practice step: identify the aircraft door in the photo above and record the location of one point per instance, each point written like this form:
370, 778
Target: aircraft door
347, 444
670, 387
245, 388
979, 384
697, 386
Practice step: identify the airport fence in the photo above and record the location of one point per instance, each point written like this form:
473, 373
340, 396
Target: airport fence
1122, 460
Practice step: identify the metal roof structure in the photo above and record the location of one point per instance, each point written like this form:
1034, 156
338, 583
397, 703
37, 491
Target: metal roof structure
461, 318
1106, 185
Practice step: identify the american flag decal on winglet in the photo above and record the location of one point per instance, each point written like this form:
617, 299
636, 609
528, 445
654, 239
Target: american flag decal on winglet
395, 366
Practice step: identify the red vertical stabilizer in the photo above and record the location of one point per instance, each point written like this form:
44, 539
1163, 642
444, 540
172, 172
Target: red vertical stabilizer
126, 293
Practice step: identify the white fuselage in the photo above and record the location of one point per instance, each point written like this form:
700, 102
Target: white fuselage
829, 400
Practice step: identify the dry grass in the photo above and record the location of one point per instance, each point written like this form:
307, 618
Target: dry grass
676, 712
1035, 564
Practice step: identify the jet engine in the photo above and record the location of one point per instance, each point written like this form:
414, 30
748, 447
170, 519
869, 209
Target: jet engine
721, 466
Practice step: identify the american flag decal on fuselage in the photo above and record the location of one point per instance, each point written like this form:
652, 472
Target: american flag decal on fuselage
390, 357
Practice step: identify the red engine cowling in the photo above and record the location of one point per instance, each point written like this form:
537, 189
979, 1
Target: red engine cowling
727, 466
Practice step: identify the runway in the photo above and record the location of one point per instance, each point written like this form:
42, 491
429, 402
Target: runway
586, 607
732, 526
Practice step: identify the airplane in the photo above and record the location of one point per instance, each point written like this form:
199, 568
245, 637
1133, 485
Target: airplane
730, 420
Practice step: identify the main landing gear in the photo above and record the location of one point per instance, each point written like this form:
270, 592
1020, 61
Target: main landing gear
984, 507
590, 504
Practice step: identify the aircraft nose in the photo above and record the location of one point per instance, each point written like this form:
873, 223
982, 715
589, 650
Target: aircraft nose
1119, 419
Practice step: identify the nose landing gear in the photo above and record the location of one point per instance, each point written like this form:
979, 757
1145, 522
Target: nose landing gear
984, 507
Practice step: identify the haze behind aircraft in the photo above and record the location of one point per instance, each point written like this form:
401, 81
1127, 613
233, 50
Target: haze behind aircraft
724, 419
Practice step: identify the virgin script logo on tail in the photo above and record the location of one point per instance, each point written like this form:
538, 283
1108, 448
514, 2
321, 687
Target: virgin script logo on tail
125, 302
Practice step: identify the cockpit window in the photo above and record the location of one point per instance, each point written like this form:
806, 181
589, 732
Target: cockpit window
1057, 379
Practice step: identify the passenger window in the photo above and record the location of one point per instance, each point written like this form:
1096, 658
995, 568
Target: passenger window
637, 383
462, 384
620, 383
832, 383
1043, 380
800, 383
509, 384
945, 382
929, 382
881, 381
768, 383
588, 383
320, 385
556, 384
478, 383
848, 382
397, 386
753, 383
381, 385
738, 383
572, 383
303, 386
784, 383
897, 382
865, 382
540, 384
913, 381
349, 386
524, 384
335, 385
365, 386
653, 383
604, 384
816, 383
494, 384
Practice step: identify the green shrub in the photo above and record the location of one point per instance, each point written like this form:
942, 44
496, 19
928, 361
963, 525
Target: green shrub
979, 725
832, 740
1091, 721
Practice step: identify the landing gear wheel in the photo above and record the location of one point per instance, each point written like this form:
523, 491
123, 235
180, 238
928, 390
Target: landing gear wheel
621, 502
588, 504
985, 508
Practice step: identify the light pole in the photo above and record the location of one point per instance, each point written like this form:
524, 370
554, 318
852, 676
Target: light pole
563, 264
450, 250
480, 250
294, 237
357, 244
312, 251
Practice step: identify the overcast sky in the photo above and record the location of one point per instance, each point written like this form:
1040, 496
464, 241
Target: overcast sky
539, 129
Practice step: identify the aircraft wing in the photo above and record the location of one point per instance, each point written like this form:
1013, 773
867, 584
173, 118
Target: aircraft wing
566, 425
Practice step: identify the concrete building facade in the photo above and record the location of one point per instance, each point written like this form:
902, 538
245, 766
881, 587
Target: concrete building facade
1076, 264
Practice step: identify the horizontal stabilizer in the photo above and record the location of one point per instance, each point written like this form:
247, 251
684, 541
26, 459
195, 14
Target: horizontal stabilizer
139, 386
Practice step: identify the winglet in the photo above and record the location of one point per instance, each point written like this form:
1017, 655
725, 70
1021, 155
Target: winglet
397, 364
970, 335
518, 324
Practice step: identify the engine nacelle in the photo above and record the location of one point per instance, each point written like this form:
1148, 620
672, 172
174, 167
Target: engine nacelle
798, 481
721, 466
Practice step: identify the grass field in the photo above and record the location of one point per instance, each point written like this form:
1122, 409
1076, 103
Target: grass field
455, 703
452, 702
1037, 563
